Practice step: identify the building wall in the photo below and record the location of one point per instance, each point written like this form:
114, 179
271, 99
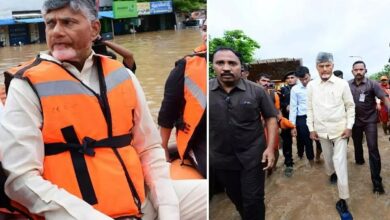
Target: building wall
34, 33
4, 36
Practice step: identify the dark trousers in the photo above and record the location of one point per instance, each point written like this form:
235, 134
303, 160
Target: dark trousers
245, 188
371, 132
287, 146
318, 147
303, 138
200, 152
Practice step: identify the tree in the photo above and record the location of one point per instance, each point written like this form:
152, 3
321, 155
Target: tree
237, 40
384, 72
189, 5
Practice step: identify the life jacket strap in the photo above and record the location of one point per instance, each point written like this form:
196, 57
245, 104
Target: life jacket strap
79, 150
88, 144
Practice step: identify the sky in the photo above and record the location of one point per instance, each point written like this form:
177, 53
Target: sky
350, 29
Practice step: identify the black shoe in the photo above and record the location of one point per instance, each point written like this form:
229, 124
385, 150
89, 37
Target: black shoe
342, 208
288, 171
333, 178
379, 189
360, 162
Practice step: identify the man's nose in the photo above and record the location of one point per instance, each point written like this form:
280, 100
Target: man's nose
226, 66
58, 29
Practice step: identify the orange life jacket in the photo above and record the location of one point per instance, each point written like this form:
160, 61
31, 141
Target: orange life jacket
195, 78
87, 137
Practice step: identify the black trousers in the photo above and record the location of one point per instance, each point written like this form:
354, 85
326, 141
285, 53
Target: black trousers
304, 143
371, 132
245, 188
200, 152
287, 146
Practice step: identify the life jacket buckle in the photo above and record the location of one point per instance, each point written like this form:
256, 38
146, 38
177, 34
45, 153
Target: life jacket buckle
87, 146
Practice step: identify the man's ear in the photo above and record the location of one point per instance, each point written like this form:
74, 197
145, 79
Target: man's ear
95, 26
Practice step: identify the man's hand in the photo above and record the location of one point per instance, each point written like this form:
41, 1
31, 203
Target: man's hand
314, 136
269, 158
378, 106
3, 96
294, 132
346, 133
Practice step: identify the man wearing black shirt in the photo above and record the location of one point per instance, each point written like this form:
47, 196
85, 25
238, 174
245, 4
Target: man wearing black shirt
239, 153
364, 92
286, 133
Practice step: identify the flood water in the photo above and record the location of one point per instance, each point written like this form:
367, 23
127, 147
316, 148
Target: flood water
155, 55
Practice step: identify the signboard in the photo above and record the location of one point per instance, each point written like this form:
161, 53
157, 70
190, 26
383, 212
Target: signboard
160, 7
124, 9
143, 8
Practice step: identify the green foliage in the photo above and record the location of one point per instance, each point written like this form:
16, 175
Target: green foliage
237, 40
189, 5
384, 72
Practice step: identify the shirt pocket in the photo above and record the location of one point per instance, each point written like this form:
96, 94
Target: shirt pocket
248, 110
335, 97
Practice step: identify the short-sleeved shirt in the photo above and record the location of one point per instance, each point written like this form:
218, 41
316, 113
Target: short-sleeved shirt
236, 136
364, 97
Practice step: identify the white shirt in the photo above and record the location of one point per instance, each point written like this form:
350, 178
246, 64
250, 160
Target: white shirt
330, 107
298, 102
22, 154
1, 108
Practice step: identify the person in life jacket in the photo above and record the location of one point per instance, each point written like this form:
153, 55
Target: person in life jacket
184, 106
384, 113
78, 140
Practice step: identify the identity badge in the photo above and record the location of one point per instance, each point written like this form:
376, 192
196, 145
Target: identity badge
362, 97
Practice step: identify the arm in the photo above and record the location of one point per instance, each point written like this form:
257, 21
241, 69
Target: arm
293, 106
293, 109
3, 96
165, 134
147, 143
269, 153
128, 57
171, 104
20, 134
382, 96
269, 113
350, 109
310, 113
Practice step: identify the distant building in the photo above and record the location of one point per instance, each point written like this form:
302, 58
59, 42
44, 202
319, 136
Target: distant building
21, 22
277, 68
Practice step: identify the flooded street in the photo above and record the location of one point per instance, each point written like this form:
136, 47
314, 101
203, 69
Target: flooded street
309, 195
155, 55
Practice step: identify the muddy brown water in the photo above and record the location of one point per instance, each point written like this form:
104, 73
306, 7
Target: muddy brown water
308, 195
155, 54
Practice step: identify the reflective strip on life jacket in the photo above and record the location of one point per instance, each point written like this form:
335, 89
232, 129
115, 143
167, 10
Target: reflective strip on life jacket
65, 87
196, 91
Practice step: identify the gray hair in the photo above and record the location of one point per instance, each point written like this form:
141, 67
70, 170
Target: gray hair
86, 7
323, 57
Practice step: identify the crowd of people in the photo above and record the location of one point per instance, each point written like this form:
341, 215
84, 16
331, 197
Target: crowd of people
327, 110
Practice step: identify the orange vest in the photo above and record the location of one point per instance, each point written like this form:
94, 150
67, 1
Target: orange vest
87, 137
195, 78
